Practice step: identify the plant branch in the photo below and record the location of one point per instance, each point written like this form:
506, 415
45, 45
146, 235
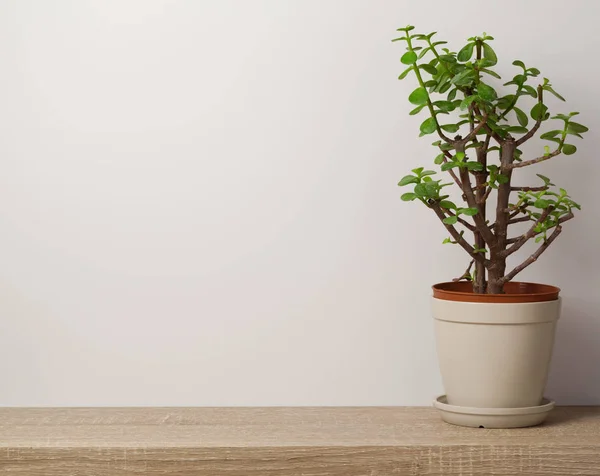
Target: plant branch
485, 196
528, 234
525, 163
482, 227
477, 128
435, 206
561, 220
448, 155
519, 220
462, 221
528, 189
467, 274
518, 211
534, 256
538, 123
429, 103
490, 132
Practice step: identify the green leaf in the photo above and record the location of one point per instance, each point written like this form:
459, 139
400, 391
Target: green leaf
506, 101
501, 178
450, 220
489, 54
485, 92
428, 172
446, 241
407, 28
541, 203
491, 73
517, 129
474, 166
546, 180
469, 211
408, 197
459, 156
418, 170
569, 149
439, 159
550, 134
405, 72
539, 111
418, 97
450, 128
421, 190
452, 94
445, 106
408, 179
428, 126
521, 117
448, 204
410, 57
447, 58
445, 86
417, 109
550, 90
432, 189
465, 53
466, 102
424, 52
576, 127
465, 78
519, 63
429, 68
530, 90
448, 166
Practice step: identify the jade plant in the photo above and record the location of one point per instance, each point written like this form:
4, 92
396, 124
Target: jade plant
481, 125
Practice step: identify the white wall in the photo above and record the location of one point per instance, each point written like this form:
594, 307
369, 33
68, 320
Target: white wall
198, 201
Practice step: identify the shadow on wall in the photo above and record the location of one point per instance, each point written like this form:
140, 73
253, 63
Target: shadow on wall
575, 372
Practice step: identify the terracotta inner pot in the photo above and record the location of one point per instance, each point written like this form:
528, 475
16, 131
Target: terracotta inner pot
513, 293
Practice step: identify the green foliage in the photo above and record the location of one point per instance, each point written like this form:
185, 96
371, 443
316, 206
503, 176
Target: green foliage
410, 57
475, 118
487, 93
419, 97
466, 52
521, 117
451, 220
428, 126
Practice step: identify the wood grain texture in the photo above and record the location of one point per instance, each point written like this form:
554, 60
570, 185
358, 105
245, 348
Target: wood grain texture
288, 441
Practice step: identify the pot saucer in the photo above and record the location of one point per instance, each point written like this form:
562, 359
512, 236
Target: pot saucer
493, 417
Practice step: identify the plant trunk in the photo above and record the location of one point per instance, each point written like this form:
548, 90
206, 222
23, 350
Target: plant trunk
480, 284
497, 268
496, 273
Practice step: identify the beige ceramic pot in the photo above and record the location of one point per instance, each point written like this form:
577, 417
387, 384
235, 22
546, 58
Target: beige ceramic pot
495, 350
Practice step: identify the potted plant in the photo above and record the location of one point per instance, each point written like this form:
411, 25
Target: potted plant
494, 335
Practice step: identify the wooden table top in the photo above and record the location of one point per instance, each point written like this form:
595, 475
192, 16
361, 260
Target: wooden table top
312, 441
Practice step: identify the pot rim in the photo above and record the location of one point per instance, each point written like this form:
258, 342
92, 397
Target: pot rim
515, 292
